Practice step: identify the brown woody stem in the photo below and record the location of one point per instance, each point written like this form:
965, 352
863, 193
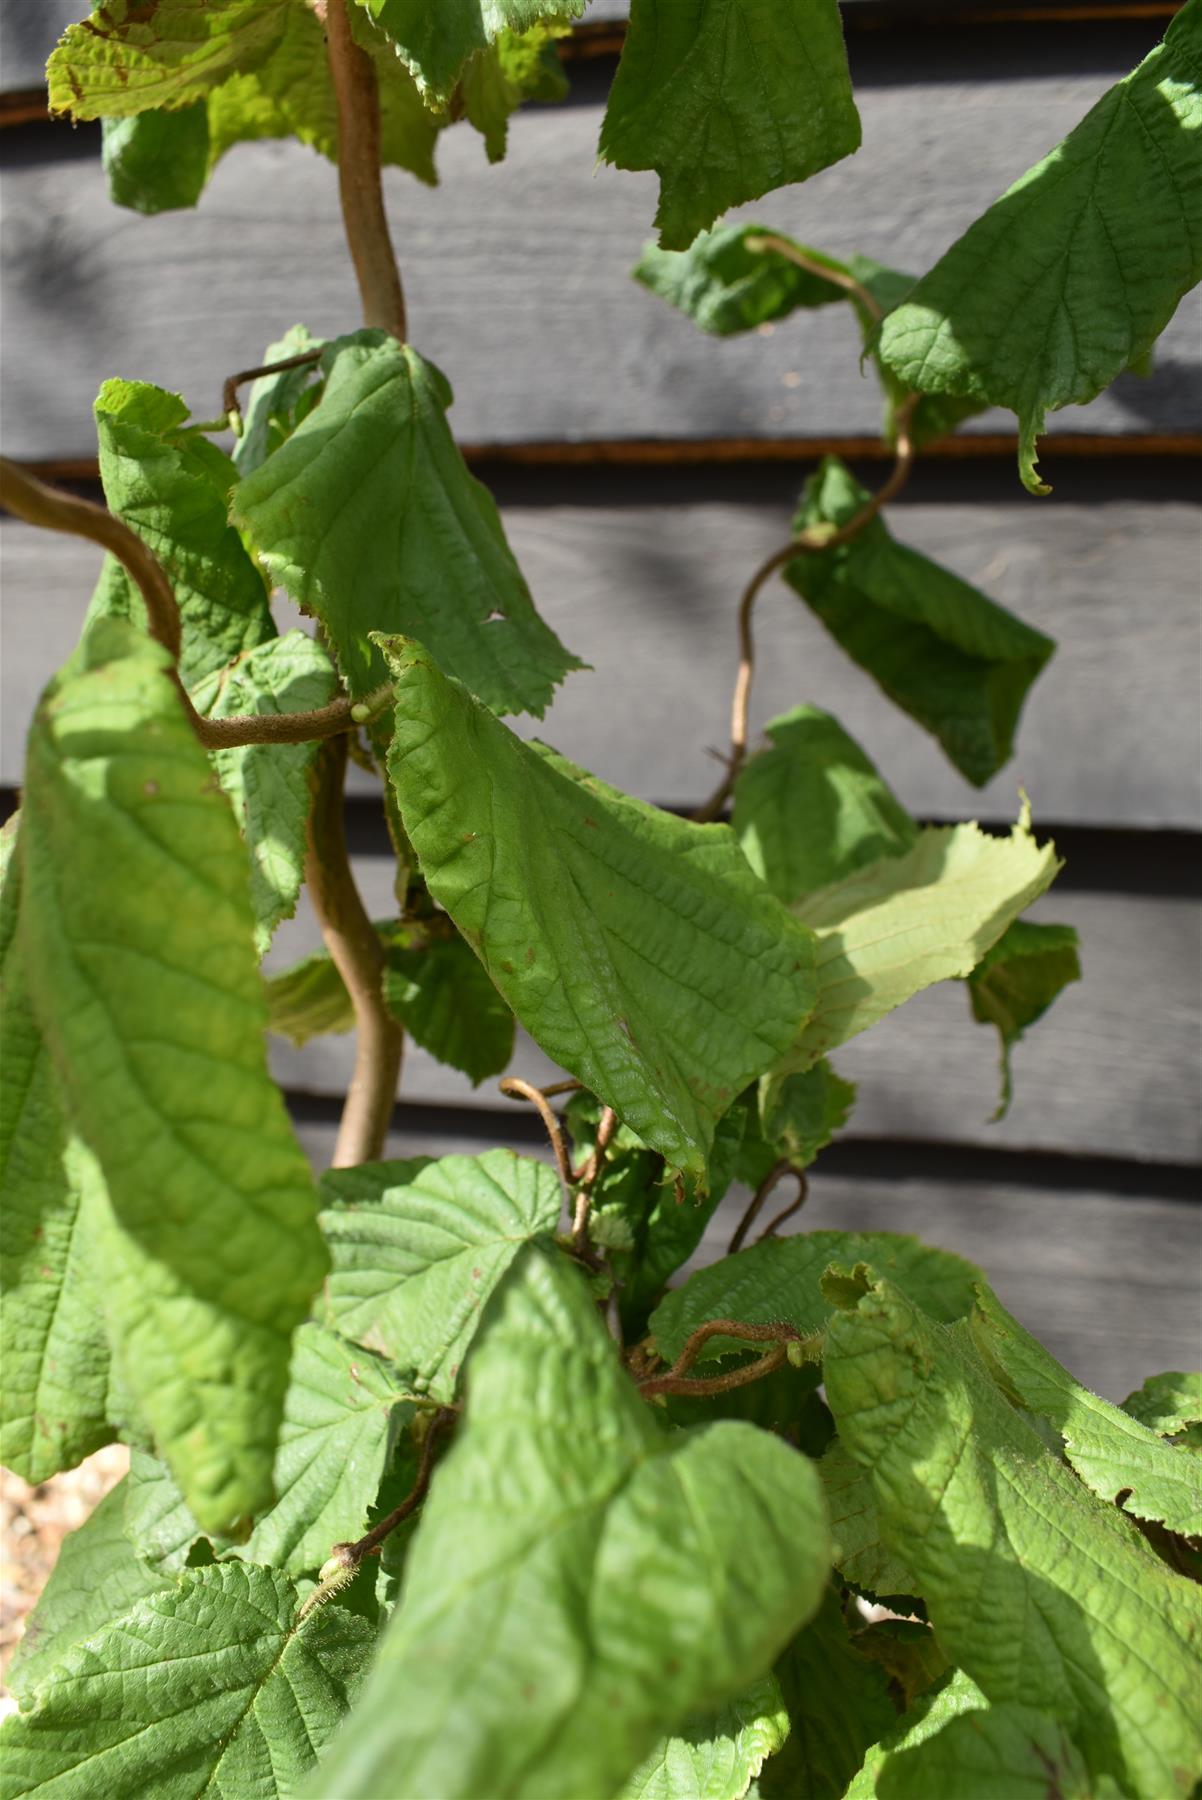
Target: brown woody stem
606, 1126
354, 1553
676, 1380
771, 245
231, 384
514, 1088
775, 1175
358, 955
356, 94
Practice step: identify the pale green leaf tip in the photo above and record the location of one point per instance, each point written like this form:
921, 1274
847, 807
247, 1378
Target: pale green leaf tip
845, 1288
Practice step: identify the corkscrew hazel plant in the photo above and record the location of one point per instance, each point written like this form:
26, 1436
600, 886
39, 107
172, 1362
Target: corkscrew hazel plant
438, 1487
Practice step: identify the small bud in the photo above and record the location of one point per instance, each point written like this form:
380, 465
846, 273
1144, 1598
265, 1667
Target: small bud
360, 713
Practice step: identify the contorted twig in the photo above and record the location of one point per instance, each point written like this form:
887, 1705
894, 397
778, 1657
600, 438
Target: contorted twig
231, 384
676, 1381
516, 1089
588, 1176
767, 243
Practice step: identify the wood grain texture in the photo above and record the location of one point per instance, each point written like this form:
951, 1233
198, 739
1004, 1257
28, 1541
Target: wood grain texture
517, 276
1109, 1282
1112, 1070
646, 594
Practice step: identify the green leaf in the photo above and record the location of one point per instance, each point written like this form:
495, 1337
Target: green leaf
860, 1555
442, 995
1078, 268
417, 1248
1085, 1622
958, 663
53, 1349
929, 1714
909, 1653
726, 283
727, 101
779, 1282
1016, 982
813, 808
269, 786
129, 57
369, 518
276, 403
209, 1686
638, 950
96, 1577
891, 929
308, 1000
716, 1756
212, 1254
520, 66
1119, 1459
838, 1705
157, 161
1001, 1753
171, 486
1167, 1403
796, 1117
614, 1580
440, 44
158, 1520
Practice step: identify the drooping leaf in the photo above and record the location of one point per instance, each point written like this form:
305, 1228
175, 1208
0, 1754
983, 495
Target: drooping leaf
442, 995
520, 66
1016, 982
928, 1715
369, 518
53, 1349
778, 1282
813, 808
97, 1576
637, 949
1121, 1460
129, 57
275, 404
891, 929
615, 1580
717, 1756
269, 785
157, 161
1077, 269
441, 44
1085, 1623
1002, 1752
207, 1686
958, 663
795, 1117
171, 486
838, 1706
418, 1247
860, 1555
1167, 1403
727, 101
211, 1254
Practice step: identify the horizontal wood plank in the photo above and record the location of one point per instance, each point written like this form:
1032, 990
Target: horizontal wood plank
1109, 1282
517, 277
1112, 1070
646, 594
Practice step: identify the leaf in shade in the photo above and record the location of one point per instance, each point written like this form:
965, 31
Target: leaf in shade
269, 786
780, 1282
716, 1756
442, 995
275, 404
207, 1686
838, 1706
417, 1248
861, 1557
813, 808
1078, 268
895, 927
369, 518
97, 1576
727, 101
520, 66
926, 1716
1003, 1752
157, 161
210, 1252
1016, 982
794, 1117
615, 1580
1086, 1623
171, 486
958, 663
439, 45
638, 950
1119, 1459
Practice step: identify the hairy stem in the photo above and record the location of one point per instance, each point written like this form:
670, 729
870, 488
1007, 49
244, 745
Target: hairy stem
231, 384
356, 94
358, 955
678, 1381
514, 1088
817, 538
768, 244
372, 1540
772, 1179
588, 1179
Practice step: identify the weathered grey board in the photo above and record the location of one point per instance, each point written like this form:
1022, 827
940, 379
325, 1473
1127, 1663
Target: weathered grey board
1112, 1070
646, 594
517, 276
1108, 1282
